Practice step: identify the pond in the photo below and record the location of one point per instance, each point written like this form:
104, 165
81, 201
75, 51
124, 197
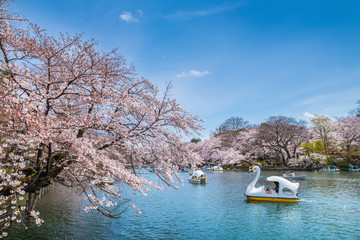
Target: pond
328, 209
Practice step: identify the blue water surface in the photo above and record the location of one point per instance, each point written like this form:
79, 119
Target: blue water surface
328, 209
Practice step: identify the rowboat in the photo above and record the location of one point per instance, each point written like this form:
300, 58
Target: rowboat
300, 177
217, 169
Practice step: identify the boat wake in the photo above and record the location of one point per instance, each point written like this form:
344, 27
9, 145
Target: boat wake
307, 200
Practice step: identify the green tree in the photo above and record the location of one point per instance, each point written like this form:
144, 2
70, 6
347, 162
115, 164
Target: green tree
313, 147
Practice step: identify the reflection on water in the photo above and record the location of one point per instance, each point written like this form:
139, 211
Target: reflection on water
328, 209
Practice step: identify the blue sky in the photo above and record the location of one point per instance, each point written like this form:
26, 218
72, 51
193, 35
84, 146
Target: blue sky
251, 58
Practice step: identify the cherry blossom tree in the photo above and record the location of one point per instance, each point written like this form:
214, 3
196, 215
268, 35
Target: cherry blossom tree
349, 137
73, 114
208, 150
218, 149
212, 151
325, 128
282, 135
249, 145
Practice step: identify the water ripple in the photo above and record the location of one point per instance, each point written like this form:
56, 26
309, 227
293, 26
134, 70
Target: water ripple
328, 209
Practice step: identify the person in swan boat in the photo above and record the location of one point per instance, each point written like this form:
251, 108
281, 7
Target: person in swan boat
276, 188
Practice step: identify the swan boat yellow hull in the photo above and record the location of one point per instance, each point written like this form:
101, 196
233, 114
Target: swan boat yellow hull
271, 199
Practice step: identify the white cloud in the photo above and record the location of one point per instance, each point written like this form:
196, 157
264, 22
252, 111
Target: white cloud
316, 99
129, 17
200, 13
309, 115
140, 12
193, 73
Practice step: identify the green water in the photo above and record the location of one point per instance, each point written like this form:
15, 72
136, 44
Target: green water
328, 209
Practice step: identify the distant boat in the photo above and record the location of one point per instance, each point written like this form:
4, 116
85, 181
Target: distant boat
354, 168
207, 167
107, 180
198, 177
152, 169
300, 177
184, 169
332, 168
217, 169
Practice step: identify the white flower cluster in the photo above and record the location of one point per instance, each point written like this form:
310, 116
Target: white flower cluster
35, 214
12, 175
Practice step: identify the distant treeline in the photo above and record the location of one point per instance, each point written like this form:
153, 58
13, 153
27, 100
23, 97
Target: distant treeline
284, 141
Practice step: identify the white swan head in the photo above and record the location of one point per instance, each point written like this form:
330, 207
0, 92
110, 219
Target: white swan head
254, 168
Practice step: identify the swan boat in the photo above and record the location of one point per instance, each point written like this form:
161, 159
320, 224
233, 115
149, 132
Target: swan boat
354, 168
217, 169
207, 167
332, 168
287, 190
107, 180
198, 176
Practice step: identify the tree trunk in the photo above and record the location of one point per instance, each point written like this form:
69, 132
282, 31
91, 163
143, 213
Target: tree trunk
48, 167
28, 203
